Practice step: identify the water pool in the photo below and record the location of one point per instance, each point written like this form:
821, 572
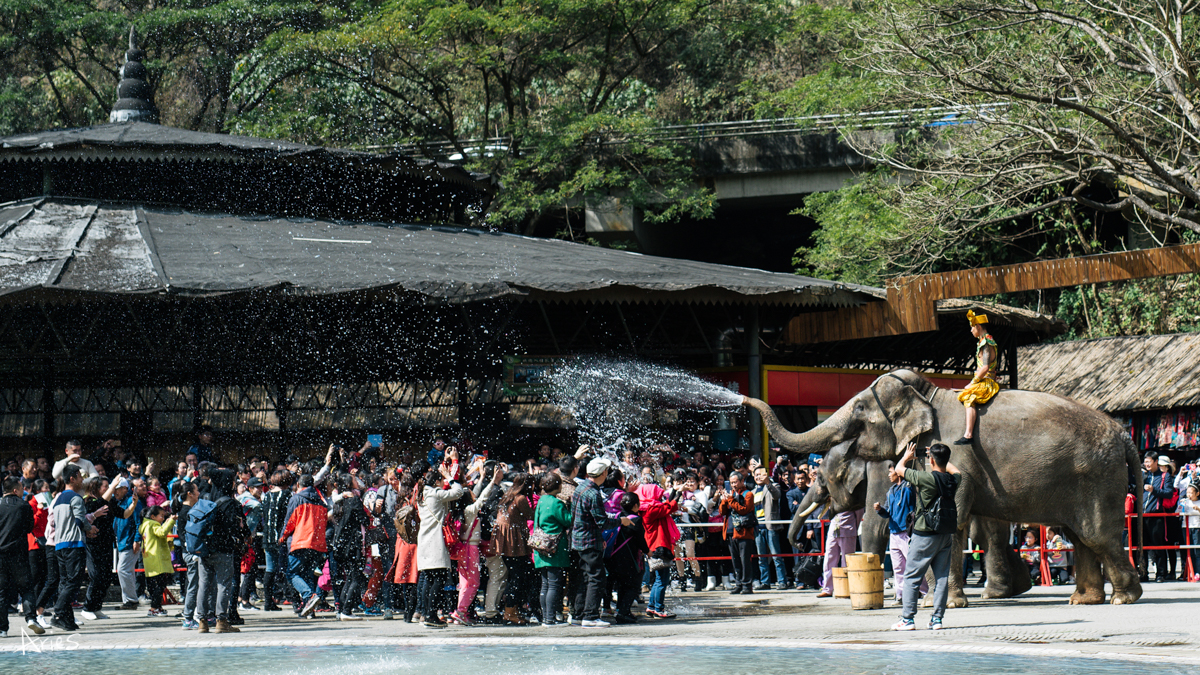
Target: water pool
541, 659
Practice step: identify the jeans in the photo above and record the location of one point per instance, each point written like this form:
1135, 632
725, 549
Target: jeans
37, 574
302, 564
354, 584
768, 540
591, 587
429, 591
742, 553
520, 581
658, 592
925, 551
551, 595
72, 566
50, 588
219, 570
14, 571
192, 592
99, 560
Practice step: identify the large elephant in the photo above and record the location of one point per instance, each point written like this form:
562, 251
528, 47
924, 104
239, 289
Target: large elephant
1035, 458
849, 482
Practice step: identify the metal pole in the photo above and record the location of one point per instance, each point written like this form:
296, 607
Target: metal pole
754, 365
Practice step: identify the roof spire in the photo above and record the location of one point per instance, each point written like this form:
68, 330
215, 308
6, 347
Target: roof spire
135, 100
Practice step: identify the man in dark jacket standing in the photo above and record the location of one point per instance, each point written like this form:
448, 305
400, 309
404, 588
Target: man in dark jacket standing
226, 545
16, 522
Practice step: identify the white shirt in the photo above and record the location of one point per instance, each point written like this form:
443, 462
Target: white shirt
87, 467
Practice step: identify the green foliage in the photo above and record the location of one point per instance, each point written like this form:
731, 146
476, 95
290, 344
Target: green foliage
858, 226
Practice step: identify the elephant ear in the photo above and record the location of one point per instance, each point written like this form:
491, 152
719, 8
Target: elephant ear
851, 469
911, 416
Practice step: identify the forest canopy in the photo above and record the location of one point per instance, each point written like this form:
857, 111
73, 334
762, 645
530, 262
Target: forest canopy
1038, 129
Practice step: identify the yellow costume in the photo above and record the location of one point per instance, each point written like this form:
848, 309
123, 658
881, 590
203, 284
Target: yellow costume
982, 389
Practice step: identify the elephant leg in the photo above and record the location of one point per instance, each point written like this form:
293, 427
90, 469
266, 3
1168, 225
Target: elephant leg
1089, 580
1105, 548
957, 598
1007, 574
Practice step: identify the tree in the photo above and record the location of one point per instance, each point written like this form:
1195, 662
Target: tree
1059, 107
554, 96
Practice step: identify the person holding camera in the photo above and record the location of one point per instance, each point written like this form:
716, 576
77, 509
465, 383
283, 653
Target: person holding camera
737, 505
933, 531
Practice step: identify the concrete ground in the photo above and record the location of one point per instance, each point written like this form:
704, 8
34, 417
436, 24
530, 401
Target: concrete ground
1161, 625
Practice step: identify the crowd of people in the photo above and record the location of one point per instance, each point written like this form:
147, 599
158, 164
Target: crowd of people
452, 537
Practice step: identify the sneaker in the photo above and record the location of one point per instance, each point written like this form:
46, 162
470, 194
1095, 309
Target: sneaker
963, 441
595, 624
188, 624
460, 619
35, 627
661, 614
625, 619
935, 624
128, 605
90, 616
387, 615
433, 623
247, 607
156, 612
904, 624
44, 621
60, 625
3, 633
574, 620
348, 617
310, 606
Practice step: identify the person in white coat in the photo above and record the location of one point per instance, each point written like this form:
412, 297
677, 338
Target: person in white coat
433, 558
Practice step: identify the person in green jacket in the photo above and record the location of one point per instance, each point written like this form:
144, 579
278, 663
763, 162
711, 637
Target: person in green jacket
156, 556
554, 518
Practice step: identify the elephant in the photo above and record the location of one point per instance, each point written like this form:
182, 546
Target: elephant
1035, 458
849, 483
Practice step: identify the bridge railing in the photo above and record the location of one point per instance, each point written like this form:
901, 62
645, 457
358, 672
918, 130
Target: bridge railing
710, 131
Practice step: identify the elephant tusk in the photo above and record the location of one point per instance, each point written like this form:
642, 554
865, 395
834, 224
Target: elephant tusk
810, 509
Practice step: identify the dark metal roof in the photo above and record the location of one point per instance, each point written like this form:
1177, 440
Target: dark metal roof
117, 248
140, 141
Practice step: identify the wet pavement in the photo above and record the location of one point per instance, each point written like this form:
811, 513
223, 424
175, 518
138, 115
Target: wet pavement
1161, 626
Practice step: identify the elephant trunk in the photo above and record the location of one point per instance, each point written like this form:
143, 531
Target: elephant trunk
817, 440
812, 501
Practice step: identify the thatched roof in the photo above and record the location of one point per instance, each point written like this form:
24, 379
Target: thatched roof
1120, 374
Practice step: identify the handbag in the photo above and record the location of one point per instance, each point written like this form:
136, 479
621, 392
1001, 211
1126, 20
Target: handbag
546, 544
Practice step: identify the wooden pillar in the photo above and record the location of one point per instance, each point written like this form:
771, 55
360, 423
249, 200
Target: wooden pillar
1011, 359
754, 366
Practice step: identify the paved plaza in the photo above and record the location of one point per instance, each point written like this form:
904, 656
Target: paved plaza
1161, 626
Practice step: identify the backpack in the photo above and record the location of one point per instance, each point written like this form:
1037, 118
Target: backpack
408, 522
199, 527
942, 514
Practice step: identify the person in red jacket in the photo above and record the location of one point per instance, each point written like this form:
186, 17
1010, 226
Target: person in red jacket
737, 505
661, 535
304, 531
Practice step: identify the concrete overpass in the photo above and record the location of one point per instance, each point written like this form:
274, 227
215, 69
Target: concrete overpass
760, 172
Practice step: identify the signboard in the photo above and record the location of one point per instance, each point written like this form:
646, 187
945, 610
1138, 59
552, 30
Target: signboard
527, 375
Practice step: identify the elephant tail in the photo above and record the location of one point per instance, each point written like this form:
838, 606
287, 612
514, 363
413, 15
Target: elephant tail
1134, 464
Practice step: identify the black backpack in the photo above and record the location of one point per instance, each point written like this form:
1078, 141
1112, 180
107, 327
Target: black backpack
942, 515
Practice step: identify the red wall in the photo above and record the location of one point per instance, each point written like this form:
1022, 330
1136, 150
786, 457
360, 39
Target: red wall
821, 389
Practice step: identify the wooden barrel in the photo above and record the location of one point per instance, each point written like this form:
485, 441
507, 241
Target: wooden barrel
866, 589
863, 561
841, 589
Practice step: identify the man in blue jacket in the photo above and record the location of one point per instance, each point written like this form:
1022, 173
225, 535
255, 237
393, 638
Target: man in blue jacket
898, 509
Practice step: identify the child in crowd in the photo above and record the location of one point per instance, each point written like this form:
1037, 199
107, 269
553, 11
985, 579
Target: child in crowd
156, 556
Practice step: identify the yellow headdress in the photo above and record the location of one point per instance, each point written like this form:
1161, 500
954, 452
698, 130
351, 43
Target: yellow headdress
976, 319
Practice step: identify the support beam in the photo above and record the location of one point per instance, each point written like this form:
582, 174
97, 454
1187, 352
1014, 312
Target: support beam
754, 365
